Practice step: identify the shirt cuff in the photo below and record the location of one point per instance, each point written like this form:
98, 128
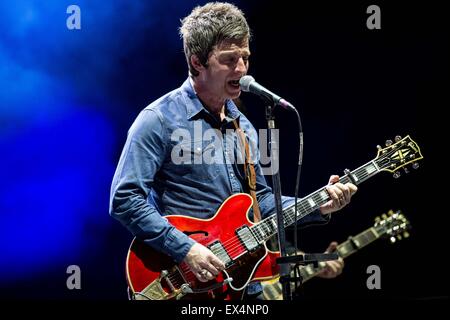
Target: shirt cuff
316, 217
178, 244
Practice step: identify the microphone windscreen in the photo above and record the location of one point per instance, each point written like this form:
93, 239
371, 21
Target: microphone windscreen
245, 82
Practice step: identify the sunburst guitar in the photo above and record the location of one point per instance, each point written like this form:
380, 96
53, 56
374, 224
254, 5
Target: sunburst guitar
393, 226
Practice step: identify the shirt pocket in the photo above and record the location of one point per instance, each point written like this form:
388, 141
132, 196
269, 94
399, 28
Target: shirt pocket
199, 160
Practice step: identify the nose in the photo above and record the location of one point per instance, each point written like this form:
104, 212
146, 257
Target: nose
241, 66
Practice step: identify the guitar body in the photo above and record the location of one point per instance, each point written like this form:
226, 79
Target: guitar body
155, 276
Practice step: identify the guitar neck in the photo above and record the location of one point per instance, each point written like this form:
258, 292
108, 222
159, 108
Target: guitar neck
268, 227
345, 249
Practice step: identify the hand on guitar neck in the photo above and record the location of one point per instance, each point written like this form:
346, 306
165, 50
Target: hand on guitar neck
340, 195
206, 266
332, 268
240, 244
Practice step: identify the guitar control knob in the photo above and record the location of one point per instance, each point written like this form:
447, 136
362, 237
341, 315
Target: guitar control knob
398, 138
396, 174
406, 170
388, 143
415, 165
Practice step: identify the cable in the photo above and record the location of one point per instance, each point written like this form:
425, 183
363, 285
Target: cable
297, 184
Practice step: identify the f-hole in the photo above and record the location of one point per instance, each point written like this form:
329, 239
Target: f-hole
188, 233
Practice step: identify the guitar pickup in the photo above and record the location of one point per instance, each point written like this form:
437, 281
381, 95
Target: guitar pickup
247, 238
218, 249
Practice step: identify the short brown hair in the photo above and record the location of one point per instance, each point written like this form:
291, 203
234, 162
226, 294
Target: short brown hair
207, 26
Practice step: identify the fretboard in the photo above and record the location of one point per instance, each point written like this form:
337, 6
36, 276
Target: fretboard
344, 250
268, 227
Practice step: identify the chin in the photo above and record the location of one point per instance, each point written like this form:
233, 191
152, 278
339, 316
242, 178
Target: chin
234, 95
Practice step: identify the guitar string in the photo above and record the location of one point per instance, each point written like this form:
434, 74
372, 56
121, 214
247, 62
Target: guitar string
364, 237
235, 246
236, 243
234, 240
236, 249
303, 205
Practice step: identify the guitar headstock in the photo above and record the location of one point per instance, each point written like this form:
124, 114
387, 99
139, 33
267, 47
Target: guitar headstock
393, 225
400, 154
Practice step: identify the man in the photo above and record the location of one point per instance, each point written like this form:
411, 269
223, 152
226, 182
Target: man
151, 181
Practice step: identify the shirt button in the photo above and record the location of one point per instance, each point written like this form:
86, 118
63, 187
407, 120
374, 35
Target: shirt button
232, 174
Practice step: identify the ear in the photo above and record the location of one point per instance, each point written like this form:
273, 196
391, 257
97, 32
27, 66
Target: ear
195, 61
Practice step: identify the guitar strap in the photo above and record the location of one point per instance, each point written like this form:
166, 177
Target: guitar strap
249, 169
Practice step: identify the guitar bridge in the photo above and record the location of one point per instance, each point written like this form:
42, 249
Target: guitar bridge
155, 290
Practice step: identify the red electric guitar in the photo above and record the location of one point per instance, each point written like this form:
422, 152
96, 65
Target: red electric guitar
238, 242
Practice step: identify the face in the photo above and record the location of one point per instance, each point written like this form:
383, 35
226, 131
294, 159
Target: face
227, 63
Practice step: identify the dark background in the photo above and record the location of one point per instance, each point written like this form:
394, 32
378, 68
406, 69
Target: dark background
68, 98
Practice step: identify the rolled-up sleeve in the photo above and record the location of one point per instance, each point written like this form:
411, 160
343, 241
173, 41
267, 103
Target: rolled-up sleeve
142, 157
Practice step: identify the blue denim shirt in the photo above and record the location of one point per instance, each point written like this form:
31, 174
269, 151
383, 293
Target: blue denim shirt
151, 181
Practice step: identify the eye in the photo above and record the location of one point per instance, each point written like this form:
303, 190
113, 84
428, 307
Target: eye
232, 59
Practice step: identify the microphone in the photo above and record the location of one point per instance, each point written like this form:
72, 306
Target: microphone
248, 84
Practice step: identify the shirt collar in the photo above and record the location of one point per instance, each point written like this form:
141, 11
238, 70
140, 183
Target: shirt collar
194, 106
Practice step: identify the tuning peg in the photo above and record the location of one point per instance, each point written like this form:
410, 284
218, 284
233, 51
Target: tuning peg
398, 138
390, 212
379, 147
384, 216
405, 234
392, 239
415, 165
377, 220
397, 174
388, 143
399, 237
406, 170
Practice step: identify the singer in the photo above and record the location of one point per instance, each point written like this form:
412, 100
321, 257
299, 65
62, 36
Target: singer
150, 186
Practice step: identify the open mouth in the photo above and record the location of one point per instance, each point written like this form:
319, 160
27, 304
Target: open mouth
234, 83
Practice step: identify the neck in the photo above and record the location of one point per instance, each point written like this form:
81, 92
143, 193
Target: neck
211, 102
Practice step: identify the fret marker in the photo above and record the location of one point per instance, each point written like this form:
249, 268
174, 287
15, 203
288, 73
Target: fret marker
311, 202
370, 169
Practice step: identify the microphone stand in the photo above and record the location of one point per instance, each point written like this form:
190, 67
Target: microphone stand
249, 84
276, 182
284, 260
